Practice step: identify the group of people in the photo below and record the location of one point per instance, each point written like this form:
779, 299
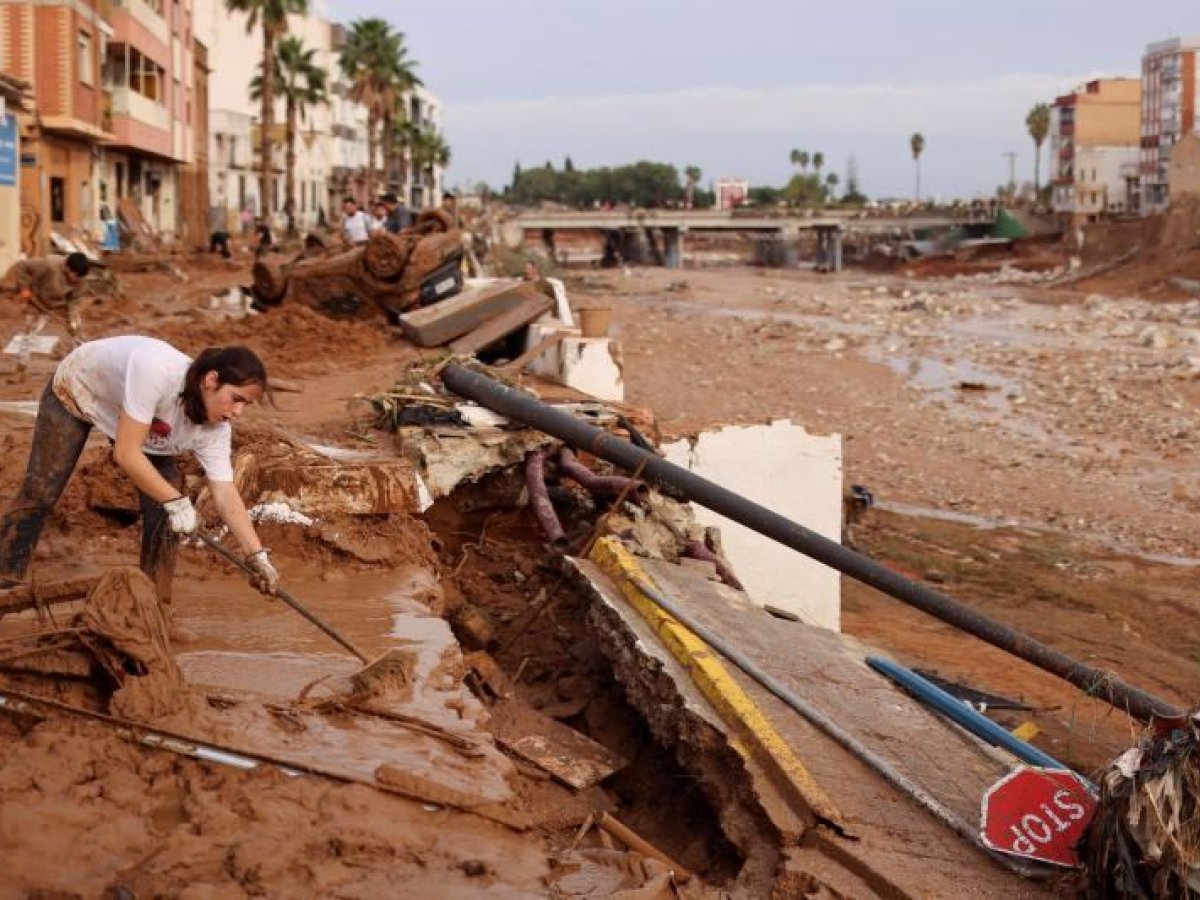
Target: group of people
387, 214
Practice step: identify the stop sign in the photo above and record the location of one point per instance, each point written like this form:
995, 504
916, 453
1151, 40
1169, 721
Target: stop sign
1038, 813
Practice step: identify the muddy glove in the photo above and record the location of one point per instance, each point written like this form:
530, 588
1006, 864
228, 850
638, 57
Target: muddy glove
265, 576
182, 515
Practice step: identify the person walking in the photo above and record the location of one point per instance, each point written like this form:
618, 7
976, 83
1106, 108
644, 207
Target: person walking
154, 403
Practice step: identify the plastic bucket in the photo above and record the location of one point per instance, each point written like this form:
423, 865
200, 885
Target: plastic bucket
594, 321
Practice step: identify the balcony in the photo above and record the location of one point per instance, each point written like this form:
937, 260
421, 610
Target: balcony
147, 14
131, 104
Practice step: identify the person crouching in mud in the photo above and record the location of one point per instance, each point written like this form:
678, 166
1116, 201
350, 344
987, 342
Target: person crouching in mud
154, 403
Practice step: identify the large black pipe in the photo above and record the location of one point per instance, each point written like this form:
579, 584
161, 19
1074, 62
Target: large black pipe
521, 407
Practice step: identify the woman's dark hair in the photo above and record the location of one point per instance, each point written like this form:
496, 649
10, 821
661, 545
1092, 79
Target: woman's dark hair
238, 366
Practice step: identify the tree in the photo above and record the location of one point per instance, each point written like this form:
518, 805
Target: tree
272, 16
802, 159
302, 84
692, 174
818, 161
794, 157
831, 183
429, 151
376, 61
1038, 123
917, 144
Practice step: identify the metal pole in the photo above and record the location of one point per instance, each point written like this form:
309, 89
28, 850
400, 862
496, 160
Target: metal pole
521, 407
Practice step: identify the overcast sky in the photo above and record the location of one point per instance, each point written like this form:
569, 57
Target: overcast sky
732, 86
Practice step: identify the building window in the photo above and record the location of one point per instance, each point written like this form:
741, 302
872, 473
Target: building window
85, 58
58, 200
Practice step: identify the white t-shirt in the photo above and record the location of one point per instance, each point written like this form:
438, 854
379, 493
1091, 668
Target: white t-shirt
143, 377
356, 227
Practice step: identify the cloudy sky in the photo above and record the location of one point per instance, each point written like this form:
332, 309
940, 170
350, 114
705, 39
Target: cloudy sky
732, 86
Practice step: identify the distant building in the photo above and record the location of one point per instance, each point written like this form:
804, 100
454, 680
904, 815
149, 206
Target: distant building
1169, 106
1183, 173
1094, 137
149, 97
55, 47
731, 192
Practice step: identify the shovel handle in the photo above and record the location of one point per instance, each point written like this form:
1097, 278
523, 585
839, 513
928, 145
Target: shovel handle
284, 596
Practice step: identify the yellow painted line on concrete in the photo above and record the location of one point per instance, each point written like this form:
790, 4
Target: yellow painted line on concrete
714, 680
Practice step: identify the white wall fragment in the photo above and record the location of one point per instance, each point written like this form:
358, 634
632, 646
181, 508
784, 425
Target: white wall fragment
793, 473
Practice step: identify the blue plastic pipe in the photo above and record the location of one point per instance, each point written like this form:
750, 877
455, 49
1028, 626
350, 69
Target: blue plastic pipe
962, 714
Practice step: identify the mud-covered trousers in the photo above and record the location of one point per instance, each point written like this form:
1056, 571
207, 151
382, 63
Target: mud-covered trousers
58, 440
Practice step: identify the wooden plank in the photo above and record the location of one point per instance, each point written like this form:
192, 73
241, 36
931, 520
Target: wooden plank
501, 326
573, 758
432, 326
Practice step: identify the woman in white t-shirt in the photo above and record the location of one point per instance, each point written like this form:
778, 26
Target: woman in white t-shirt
155, 404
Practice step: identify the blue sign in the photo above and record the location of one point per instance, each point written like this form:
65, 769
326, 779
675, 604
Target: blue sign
8, 150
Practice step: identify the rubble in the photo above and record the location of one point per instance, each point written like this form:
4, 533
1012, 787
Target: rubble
413, 535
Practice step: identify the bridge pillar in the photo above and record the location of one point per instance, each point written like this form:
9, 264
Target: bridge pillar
673, 248
635, 247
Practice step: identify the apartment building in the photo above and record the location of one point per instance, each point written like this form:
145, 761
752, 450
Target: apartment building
55, 46
150, 85
234, 172
1094, 148
1169, 107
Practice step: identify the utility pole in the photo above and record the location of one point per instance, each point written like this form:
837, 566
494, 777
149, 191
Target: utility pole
1012, 173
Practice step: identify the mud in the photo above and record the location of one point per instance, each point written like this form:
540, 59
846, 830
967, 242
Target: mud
1084, 445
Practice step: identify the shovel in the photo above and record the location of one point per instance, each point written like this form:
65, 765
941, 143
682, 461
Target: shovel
286, 598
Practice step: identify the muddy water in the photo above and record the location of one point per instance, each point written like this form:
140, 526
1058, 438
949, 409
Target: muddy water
259, 657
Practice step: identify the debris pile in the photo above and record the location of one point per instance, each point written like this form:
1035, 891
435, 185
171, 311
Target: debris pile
1145, 838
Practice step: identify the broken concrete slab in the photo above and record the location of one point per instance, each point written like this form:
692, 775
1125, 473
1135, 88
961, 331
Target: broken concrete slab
593, 366
793, 473
432, 326
571, 757
900, 847
502, 325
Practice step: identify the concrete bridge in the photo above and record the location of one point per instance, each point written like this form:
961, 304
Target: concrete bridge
625, 228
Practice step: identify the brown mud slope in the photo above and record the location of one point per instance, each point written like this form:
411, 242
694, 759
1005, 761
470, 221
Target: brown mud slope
1115, 612
1167, 246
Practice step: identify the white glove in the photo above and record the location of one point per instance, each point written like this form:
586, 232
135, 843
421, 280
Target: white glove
182, 515
266, 576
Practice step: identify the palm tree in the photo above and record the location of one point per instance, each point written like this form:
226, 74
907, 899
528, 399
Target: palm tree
831, 183
692, 174
802, 159
917, 144
429, 150
375, 60
818, 160
794, 157
272, 15
1038, 123
302, 84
